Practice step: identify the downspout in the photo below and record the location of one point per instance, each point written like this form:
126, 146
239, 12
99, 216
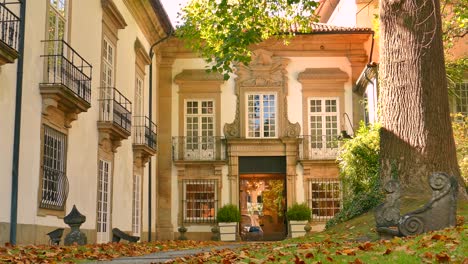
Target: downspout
150, 116
17, 128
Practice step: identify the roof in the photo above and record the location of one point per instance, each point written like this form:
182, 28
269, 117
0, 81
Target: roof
317, 28
162, 16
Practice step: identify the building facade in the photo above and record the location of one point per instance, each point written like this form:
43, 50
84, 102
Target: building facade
84, 130
263, 140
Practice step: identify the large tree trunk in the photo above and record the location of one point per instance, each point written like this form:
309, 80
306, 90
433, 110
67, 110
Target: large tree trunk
416, 136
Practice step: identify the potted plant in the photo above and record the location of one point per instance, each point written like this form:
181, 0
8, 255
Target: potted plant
228, 218
298, 216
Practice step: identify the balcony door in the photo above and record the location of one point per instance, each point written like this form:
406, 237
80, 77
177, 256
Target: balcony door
104, 202
323, 126
199, 130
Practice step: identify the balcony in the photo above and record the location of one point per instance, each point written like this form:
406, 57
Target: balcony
115, 116
198, 149
9, 34
319, 147
67, 81
144, 139
54, 189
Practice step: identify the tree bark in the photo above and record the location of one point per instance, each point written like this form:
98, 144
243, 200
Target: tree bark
416, 135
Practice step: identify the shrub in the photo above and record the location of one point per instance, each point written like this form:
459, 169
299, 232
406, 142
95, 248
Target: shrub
228, 213
460, 134
359, 172
298, 212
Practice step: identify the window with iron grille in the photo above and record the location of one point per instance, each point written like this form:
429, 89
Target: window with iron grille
324, 198
54, 180
261, 116
199, 202
461, 100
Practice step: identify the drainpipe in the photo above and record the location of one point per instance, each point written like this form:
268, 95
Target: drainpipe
17, 128
150, 116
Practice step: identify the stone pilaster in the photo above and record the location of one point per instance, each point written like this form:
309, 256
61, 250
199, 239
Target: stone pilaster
164, 227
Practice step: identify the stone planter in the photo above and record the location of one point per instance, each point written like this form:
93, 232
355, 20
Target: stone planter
296, 228
228, 231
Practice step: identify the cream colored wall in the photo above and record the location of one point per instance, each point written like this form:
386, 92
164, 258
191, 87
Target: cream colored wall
85, 37
344, 14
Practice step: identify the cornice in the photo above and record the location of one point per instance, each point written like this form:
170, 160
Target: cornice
141, 53
114, 14
324, 74
198, 75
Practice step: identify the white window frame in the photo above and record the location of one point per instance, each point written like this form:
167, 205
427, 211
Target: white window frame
186, 201
104, 201
139, 96
261, 115
329, 142
206, 144
136, 205
53, 7
461, 101
334, 200
108, 63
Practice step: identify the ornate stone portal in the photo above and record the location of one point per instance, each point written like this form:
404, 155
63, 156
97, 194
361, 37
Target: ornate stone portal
265, 74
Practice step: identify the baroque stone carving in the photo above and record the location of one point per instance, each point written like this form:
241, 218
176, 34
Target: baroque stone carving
264, 71
438, 213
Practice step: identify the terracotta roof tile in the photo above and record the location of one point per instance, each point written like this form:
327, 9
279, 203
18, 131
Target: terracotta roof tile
326, 28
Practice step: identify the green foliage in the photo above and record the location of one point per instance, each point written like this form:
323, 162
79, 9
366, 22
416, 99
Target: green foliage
298, 212
454, 15
455, 70
273, 197
228, 213
359, 172
460, 133
222, 31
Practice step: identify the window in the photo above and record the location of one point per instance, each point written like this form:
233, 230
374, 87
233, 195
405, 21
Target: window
104, 202
261, 115
136, 212
323, 124
139, 96
199, 129
57, 19
107, 64
54, 180
461, 100
324, 198
199, 201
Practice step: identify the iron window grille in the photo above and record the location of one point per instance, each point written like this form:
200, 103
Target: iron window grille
9, 26
144, 132
115, 107
54, 179
324, 198
200, 201
64, 66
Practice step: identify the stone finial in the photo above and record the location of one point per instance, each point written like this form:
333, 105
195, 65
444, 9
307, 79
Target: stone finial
75, 219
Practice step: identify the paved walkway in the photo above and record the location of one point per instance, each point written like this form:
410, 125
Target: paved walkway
163, 256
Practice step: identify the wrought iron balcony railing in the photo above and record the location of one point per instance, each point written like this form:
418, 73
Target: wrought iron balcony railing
64, 66
54, 189
198, 148
9, 26
319, 147
115, 107
144, 132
